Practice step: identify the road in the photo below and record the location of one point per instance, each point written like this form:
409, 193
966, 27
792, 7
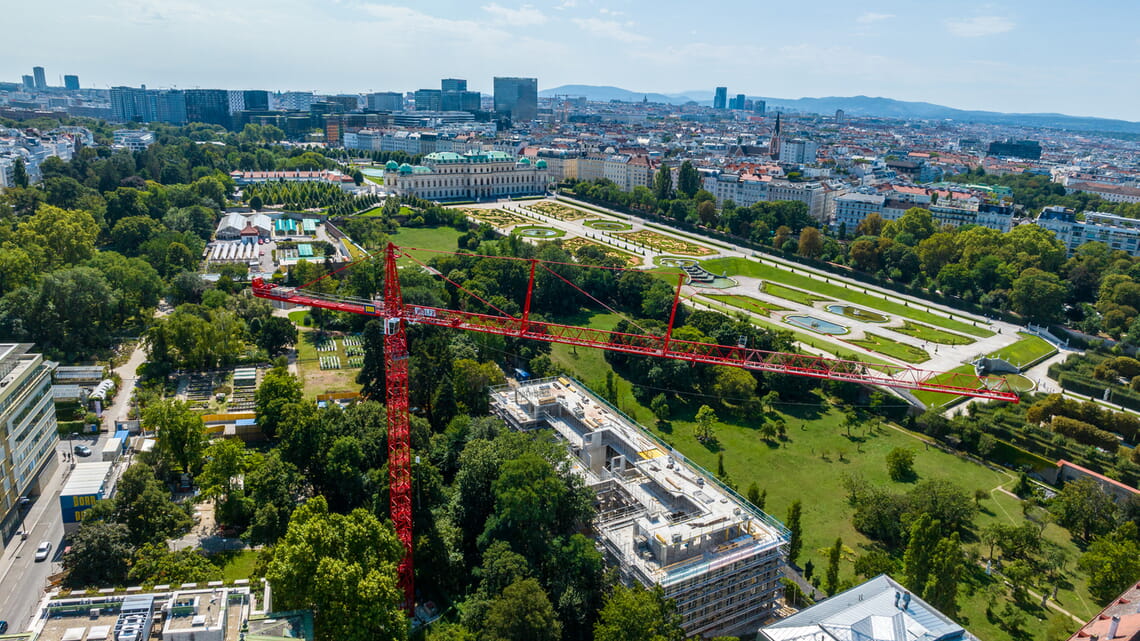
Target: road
23, 578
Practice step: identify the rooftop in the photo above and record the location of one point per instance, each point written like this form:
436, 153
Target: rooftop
878, 610
87, 478
661, 516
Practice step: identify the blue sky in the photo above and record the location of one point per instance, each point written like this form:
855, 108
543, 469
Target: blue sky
1027, 55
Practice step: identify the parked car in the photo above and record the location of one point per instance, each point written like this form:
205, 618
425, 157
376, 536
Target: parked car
3, 627
82, 450
43, 551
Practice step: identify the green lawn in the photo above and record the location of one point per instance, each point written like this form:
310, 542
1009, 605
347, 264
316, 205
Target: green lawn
747, 303
939, 399
430, 238
932, 334
839, 291
237, 565
299, 317
810, 465
787, 293
322, 381
1025, 351
894, 349
812, 340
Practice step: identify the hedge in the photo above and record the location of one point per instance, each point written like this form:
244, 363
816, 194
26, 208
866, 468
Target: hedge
1082, 432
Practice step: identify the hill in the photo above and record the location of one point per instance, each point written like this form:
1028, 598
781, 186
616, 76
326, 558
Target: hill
863, 106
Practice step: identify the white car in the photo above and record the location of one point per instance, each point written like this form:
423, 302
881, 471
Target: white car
43, 551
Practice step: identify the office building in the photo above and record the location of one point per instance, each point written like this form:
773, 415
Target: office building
737, 102
720, 99
129, 104
29, 82
879, 610
170, 106
27, 429
660, 520
760, 107
347, 102
460, 101
71, 83
256, 100
40, 78
453, 84
294, 100
1027, 149
385, 101
517, 98
210, 106
428, 100
478, 175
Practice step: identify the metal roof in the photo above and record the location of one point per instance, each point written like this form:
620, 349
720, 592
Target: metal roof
87, 478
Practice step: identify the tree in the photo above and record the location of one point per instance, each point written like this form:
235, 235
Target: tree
344, 567
874, 563
1084, 508
688, 179
221, 480
871, 225
756, 497
795, 531
1112, 562
66, 236
704, 429
181, 433
143, 504
522, 611
99, 556
663, 183
706, 211
637, 614
19, 173
946, 564
660, 408
1039, 296
278, 389
925, 533
833, 557
155, 563
276, 333
811, 242
255, 203
900, 464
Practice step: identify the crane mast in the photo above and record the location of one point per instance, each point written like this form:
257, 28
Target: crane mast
395, 314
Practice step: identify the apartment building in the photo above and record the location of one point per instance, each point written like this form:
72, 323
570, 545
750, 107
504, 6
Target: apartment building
661, 520
1118, 232
27, 429
475, 175
748, 189
133, 139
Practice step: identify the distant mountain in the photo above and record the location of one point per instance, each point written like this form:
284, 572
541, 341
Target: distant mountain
864, 106
606, 94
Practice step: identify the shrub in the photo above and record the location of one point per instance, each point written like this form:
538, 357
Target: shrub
1084, 433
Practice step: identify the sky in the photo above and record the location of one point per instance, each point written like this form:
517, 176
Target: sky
1015, 56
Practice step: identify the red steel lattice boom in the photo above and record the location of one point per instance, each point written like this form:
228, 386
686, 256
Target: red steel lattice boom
395, 314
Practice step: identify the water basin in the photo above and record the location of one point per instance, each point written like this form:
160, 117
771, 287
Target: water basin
372, 171
814, 324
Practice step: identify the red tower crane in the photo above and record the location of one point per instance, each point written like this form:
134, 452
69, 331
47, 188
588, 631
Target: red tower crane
395, 314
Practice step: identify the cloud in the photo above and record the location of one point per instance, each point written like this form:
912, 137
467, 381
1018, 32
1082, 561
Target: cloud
872, 17
979, 26
523, 16
609, 29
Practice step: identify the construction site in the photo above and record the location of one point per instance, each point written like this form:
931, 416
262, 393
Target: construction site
660, 519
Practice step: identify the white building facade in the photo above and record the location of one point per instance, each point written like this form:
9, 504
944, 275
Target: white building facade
479, 175
28, 432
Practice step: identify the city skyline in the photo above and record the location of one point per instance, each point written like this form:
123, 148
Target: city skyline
994, 56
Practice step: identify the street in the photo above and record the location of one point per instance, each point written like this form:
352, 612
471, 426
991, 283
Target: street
24, 579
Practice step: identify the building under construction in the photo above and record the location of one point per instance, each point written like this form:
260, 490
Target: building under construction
660, 519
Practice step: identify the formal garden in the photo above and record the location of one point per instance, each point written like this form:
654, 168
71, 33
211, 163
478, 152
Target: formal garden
666, 244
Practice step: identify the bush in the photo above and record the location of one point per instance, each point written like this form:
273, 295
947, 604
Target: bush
900, 464
1085, 433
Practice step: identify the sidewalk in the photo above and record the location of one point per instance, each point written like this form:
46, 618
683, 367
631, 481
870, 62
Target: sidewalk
47, 503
